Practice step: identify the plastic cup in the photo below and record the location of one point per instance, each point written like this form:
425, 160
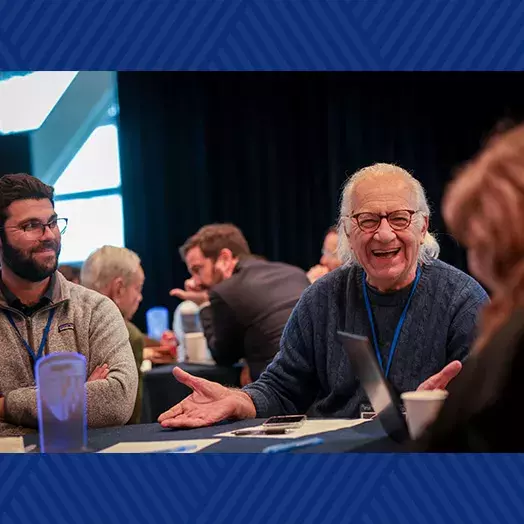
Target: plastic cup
422, 408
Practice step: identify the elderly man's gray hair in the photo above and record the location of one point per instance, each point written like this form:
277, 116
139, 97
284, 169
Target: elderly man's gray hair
429, 249
107, 263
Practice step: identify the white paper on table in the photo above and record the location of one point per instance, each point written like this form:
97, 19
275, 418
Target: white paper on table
310, 427
12, 445
151, 447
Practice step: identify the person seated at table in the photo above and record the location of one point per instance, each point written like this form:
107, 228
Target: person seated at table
42, 313
329, 259
484, 209
72, 273
117, 273
244, 301
418, 312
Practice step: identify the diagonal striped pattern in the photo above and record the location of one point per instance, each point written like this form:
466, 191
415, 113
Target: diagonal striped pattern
305, 488
262, 34
450, 488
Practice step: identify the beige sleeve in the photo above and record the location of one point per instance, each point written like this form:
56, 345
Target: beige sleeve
20, 407
110, 402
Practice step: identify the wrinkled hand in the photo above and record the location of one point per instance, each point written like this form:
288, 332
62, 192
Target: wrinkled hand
441, 379
316, 272
191, 292
100, 373
208, 404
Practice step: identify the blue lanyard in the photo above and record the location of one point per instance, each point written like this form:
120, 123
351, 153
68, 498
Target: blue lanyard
399, 325
44, 336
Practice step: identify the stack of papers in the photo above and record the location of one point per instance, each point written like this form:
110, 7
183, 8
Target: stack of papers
171, 446
310, 427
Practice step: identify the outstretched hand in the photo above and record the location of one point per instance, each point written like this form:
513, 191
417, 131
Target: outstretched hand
441, 379
208, 404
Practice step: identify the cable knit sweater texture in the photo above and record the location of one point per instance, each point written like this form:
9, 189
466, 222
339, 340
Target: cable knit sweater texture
311, 373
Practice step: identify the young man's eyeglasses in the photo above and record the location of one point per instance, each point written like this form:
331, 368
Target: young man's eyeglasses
36, 229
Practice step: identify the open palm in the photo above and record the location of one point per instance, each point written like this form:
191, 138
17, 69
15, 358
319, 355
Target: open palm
208, 404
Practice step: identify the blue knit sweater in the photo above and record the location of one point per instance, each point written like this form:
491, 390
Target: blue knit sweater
311, 372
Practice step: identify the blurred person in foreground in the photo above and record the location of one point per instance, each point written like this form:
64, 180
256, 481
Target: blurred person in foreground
42, 313
391, 282
117, 273
329, 260
484, 209
244, 301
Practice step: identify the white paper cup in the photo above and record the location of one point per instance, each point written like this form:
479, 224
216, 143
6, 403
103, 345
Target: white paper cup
196, 347
422, 408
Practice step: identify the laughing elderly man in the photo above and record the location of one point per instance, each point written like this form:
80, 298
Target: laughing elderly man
419, 313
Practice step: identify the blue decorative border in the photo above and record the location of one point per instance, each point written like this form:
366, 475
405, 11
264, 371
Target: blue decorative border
259, 489
249, 35
253, 35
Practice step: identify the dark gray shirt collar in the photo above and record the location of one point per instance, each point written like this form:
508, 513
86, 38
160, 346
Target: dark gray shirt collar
14, 302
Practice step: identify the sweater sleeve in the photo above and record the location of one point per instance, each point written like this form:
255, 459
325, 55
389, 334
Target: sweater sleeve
110, 402
463, 329
20, 407
290, 383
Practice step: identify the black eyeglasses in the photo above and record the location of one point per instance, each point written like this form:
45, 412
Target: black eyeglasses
36, 229
398, 220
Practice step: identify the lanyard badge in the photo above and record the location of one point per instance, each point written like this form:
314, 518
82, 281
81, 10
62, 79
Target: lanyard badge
45, 335
398, 329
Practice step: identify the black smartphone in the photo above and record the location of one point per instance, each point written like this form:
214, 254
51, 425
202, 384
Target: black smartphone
286, 421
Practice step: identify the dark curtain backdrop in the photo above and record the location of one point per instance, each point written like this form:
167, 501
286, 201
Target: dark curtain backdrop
270, 152
15, 153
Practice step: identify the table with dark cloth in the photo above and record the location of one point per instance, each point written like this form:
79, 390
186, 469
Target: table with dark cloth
161, 390
367, 437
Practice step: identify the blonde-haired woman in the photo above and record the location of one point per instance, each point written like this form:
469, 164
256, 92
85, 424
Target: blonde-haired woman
484, 210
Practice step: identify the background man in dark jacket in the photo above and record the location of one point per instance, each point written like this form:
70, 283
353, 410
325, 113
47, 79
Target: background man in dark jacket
244, 301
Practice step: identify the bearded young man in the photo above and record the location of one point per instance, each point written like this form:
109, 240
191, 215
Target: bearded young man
42, 313
244, 301
419, 313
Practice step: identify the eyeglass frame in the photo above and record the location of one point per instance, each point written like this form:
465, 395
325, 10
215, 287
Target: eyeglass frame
381, 217
41, 225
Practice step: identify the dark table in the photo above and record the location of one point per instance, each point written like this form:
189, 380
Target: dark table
162, 391
368, 437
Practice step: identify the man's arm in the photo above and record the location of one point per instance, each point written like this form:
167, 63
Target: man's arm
461, 336
463, 329
224, 334
20, 407
289, 384
110, 401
